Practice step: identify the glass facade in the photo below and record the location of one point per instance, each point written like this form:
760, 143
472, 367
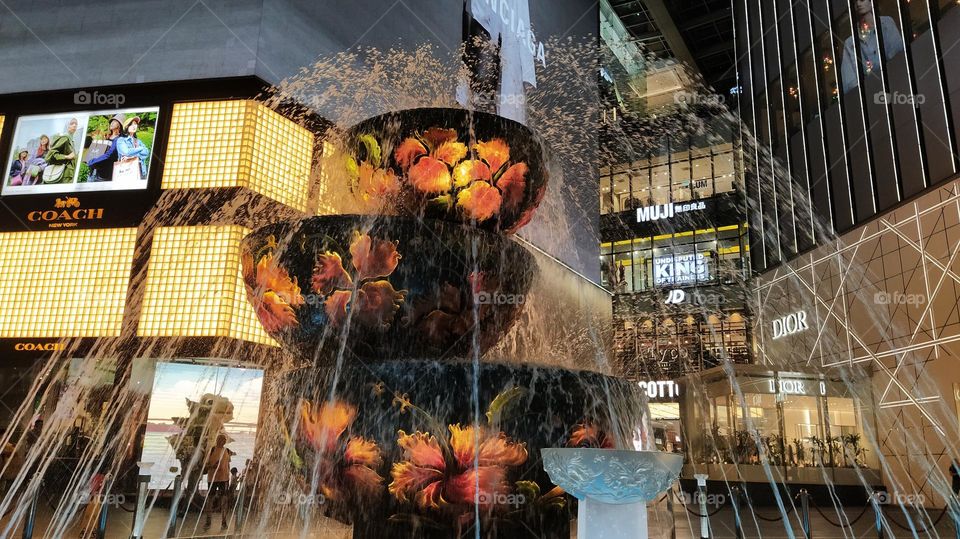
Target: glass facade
692, 173
697, 257
858, 103
673, 346
801, 420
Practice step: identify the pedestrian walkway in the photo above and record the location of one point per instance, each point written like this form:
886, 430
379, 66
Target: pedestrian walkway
756, 524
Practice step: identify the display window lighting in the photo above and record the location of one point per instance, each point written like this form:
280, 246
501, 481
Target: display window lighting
64, 283
194, 286
238, 143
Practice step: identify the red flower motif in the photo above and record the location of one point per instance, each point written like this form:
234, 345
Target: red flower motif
376, 183
430, 175
347, 464
272, 292
328, 274
408, 152
451, 152
512, 184
378, 303
480, 201
469, 171
375, 303
495, 152
589, 434
435, 164
459, 473
372, 257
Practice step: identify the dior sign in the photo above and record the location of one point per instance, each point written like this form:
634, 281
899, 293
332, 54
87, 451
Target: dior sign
790, 324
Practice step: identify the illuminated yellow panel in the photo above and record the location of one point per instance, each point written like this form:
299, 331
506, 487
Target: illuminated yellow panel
64, 283
282, 155
194, 288
238, 143
1, 125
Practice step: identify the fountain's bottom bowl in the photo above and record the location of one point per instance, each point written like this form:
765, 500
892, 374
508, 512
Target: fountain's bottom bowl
396, 448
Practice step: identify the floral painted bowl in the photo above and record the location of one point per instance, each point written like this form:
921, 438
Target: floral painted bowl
449, 164
421, 448
384, 287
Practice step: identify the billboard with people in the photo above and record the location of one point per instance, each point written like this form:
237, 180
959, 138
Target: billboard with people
81, 151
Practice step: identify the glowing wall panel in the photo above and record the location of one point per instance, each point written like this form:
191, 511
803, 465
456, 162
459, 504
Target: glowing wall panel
194, 287
64, 283
238, 143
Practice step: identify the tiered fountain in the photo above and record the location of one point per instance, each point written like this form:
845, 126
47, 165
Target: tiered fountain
397, 422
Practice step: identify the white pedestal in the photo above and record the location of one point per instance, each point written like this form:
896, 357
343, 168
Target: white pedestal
596, 520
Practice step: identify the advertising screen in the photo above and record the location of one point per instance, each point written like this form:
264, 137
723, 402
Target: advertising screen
681, 269
73, 152
191, 405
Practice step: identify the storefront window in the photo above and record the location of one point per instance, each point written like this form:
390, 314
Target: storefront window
690, 173
708, 256
756, 417
808, 85
845, 424
799, 421
803, 431
829, 88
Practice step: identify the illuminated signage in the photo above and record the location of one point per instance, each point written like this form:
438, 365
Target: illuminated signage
681, 269
42, 347
678, 296
797, 387
66, 213
790, 324
675, 297
666, 211
660, 389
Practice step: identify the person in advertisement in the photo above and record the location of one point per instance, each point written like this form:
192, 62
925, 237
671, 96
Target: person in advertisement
36, 163
131, 148
19, 168
61, 158
101, 166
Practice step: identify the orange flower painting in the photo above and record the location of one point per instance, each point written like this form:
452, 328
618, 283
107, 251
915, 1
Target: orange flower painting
272, 292
367, 294
477, 183
470, 466
347, 463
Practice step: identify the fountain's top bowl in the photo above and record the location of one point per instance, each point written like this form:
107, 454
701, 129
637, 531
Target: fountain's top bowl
451, 164
610, 475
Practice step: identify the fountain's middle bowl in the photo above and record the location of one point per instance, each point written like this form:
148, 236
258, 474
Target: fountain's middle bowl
384, 287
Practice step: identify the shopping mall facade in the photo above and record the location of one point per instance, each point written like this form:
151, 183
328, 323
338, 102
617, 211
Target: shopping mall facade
812, 244
853, 200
